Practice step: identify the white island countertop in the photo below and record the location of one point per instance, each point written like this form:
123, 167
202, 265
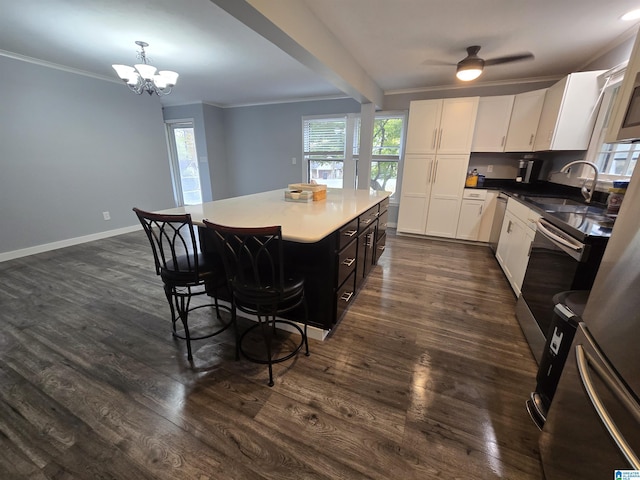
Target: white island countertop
301, 222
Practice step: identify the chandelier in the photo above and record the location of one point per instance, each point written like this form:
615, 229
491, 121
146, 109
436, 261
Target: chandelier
144, 77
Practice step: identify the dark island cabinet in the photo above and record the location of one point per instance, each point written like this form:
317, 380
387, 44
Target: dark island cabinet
334, 269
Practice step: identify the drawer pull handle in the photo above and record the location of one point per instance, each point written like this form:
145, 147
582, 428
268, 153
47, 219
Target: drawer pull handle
381, 248
350, 233
346, 296
367, 221
349, 261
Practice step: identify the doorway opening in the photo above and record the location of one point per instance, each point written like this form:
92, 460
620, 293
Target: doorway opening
184, 163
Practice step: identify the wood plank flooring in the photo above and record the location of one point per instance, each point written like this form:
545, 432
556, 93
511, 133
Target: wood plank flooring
425, 377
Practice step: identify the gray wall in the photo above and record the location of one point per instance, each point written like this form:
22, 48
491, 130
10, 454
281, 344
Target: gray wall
71, 148
262, 140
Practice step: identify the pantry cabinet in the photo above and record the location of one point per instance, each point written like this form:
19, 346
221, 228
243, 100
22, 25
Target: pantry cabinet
449, 173
492, 123
443, 126
516, 236
568, 115
439, 136
523, 124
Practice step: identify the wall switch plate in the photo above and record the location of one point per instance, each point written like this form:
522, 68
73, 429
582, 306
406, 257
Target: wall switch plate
489, 168
293, 160
106, 215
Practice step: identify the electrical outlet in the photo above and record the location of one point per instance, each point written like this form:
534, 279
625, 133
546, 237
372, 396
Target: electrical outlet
293, 160
106, 215
489, 168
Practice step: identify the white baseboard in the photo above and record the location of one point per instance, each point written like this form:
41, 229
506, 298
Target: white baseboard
24, 252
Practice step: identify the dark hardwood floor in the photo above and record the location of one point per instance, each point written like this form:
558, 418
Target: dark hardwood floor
426, 377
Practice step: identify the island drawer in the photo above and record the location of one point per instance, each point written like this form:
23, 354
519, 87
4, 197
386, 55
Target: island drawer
347, 262
384, 205
347, 233
344, 296
367, 218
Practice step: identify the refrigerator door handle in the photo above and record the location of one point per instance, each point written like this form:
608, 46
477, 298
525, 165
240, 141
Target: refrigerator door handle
583, 369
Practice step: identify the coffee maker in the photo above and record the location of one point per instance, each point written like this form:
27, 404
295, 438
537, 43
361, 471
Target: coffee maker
528, 169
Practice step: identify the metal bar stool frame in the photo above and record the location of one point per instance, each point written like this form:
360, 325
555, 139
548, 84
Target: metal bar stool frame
253, 260
185, 271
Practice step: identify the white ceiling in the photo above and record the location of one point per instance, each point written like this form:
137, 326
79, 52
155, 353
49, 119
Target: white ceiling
223, 62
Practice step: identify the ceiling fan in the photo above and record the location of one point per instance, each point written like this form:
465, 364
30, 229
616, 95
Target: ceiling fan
470, 67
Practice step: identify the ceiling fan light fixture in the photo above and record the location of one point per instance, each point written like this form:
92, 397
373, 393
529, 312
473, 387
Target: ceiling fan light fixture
466, 74
470, 68
632, 15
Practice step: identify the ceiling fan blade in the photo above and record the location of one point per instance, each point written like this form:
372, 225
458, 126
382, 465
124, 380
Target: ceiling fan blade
509, 58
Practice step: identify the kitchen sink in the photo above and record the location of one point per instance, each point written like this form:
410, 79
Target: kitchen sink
553, 201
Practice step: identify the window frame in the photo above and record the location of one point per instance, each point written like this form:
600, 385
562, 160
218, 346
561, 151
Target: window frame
598, 148
351, 156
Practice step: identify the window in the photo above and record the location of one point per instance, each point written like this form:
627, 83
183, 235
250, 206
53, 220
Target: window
332, 143
385, 155
614, 160
325, 149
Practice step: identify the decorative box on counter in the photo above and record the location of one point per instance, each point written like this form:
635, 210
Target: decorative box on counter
319, 191
299, 196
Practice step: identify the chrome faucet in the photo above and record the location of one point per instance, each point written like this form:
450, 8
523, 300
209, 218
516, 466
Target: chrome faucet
585, 193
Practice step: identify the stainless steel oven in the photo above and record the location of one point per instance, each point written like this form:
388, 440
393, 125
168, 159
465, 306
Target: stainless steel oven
558, 262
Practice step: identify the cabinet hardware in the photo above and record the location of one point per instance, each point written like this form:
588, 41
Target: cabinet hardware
480, 214
435, 171
381, 248
348, 261
367, 221
440, 139
350, 233
346, 296
531, 140
504, 137
435, 136
509, 227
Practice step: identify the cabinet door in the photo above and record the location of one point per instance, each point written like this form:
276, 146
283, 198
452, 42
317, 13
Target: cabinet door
488, 212
492, 123
549, 115
457, 125
423, 127
416, 189
568, 113
446, 195
519, 258
469, 221
524, 121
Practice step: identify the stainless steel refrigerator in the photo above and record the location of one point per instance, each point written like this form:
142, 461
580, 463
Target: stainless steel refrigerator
593, 425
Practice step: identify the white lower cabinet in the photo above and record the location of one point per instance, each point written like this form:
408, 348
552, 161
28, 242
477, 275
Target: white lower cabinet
432, 187
515, 241
476, 214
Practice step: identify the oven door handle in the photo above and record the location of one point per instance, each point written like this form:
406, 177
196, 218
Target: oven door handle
543, 229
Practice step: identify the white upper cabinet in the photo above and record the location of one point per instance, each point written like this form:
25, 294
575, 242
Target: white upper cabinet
492, 123
525, 117
441, 126
457, 125
424, 126
567, 118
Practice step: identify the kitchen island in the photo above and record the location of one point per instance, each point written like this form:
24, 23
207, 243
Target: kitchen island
333, 243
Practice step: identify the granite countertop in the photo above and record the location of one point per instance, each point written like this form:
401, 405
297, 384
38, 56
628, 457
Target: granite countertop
581, 221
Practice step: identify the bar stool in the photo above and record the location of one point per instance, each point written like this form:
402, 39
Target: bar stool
185, 271
253, 261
